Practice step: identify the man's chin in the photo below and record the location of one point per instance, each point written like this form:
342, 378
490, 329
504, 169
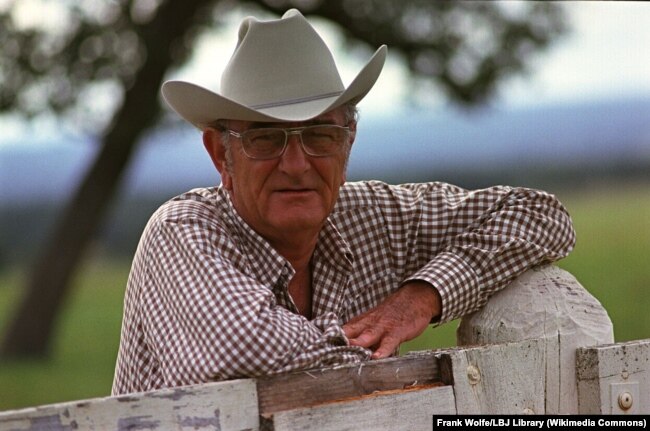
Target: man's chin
297, 219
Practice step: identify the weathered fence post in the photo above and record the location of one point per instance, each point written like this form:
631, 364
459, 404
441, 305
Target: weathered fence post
614, 379
545, 303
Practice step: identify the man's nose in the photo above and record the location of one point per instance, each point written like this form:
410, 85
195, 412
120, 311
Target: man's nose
294, 160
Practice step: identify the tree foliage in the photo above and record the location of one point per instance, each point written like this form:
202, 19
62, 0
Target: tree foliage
467, 48
73, 54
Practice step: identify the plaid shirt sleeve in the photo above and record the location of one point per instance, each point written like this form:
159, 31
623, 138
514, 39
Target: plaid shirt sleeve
470, 244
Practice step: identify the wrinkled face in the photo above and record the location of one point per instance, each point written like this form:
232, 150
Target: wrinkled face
286, 195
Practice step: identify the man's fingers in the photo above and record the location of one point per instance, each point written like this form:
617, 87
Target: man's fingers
387, 347
401, 317
368, 337
353, 330
357, 325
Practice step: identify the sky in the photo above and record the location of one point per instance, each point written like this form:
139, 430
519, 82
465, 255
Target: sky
607, 54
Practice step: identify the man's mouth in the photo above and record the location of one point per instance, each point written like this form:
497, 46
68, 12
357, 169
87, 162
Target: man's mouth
295, 191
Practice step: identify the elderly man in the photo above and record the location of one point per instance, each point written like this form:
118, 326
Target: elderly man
285, 266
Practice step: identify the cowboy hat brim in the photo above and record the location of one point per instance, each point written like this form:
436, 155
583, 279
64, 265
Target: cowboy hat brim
201, 107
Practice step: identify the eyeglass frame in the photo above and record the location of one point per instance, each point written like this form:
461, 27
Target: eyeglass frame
287, 131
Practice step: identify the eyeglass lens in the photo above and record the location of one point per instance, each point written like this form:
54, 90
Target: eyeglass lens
316, 140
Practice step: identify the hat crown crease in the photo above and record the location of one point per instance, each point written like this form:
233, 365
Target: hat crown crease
279, 62
280, 70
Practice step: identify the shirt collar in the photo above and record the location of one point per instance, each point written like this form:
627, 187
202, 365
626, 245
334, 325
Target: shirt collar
265, 263
333, 248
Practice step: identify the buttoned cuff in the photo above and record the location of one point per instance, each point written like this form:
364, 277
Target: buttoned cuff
456, 282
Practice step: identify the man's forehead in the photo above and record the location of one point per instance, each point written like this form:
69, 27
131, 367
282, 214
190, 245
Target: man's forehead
335, 116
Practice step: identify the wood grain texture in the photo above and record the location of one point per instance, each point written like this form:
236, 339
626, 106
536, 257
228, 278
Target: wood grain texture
305, 388
228, 405
499, 379
388, 410
545, 303
607, 372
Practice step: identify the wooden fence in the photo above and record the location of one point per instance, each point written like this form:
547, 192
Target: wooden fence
543, 345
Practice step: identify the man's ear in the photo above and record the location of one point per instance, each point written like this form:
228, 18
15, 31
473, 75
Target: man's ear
212, 140
353, 134
353, 131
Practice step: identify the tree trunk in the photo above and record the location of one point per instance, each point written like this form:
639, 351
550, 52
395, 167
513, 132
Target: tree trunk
30, 331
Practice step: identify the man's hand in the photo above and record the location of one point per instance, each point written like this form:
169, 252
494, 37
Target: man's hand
401, 317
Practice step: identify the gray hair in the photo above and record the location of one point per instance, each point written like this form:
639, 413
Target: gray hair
350, 114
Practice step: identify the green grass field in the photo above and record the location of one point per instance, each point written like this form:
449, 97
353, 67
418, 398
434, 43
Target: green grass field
85, 348
610, 260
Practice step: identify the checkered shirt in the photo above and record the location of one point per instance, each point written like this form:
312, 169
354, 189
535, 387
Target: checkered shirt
207, 296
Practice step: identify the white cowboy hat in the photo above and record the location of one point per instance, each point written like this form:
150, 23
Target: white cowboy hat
281, 70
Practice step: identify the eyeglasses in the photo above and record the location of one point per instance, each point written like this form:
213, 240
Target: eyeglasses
269, 143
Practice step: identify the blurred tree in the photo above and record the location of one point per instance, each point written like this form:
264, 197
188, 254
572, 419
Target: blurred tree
64, 59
